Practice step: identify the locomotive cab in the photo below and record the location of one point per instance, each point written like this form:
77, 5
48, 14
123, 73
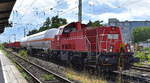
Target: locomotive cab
69, 29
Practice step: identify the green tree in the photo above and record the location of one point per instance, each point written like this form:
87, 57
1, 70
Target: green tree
95, 23
141, 34
32, 32
56, 22
46, 25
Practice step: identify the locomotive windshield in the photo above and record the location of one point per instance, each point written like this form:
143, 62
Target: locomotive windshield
113, 36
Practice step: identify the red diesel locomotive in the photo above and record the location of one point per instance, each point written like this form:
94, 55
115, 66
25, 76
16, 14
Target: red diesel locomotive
81, 46
98, 47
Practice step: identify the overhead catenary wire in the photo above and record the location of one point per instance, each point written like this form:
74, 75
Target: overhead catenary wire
126, 3
52, 9
21, 2
43, 9
27, 10
68, 11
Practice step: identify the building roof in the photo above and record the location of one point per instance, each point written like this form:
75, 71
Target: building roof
6, 7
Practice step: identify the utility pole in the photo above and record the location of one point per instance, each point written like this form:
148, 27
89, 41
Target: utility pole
24, 32
9, 39
58, 13
80, 11
14, 37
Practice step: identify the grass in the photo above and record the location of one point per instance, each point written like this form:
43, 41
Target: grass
48, 77
144, 55
24, 74
23, 53
83, 77
4, 52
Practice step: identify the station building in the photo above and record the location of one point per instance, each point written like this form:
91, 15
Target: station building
127, 27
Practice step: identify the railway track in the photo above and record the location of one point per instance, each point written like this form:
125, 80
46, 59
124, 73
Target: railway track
134, 76
123, 76
38, 73
130, 77
141, 68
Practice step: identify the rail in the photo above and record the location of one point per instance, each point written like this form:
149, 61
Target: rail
36, 80
141, 68
62, 79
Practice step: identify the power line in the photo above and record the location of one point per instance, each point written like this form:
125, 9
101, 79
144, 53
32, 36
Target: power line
70, 10
60, 3
33, 3
27, 10
126, 3
21, 3
63, 12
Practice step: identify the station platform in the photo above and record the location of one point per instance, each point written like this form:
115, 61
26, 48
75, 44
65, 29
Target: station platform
8, 72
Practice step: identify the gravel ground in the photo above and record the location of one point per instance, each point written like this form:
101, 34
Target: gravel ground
145, 76
48, 65
61, 70
35, 71
58, 69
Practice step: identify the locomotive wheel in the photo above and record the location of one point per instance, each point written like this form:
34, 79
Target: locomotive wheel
91, 70
77, 63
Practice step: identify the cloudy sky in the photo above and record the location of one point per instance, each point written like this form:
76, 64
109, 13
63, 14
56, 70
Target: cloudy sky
30, 14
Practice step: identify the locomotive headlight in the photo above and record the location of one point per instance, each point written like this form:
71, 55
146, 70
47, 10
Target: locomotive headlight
132, 48
111, 49
129, 49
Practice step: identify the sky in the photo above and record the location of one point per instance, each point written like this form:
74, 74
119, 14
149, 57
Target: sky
30, 14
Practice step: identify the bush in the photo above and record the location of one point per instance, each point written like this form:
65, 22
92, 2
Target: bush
140, 55
48, 77
147, 49
1, 46
141, 34
143, 55
23, 53
148, 57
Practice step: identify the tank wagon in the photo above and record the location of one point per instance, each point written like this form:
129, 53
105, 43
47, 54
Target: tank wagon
82, 46
39, 41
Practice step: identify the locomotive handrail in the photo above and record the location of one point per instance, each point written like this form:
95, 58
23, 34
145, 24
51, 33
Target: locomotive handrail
89, 45
88, 40
97, 47
97, 44
101, 39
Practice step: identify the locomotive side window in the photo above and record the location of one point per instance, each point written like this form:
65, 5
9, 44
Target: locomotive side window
113, 36
69, 29
66, 30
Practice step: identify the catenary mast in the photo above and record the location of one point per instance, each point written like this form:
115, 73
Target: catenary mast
80, 11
